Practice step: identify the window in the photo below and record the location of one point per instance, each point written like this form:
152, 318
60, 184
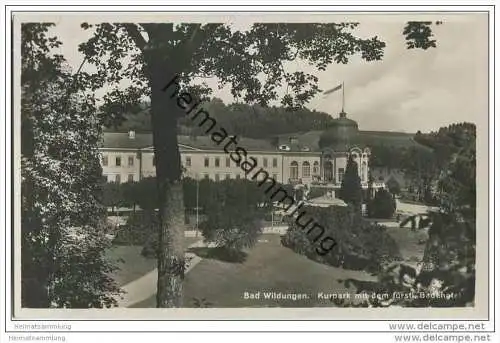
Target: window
275, 162
228, 176
294, 170
228, 162
118, 178
206, 176
217, 178
188, 161
363, 171
264, 162
130, 178
217, 162
207, 162
316, 168
341, 174
131, 161
306, 169
105, 160
154, 160
118, 161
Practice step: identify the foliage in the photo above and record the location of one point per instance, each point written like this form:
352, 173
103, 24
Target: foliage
112, 195
350, 190
446, 275
251, 62
382, 205
234, 214
393, 186
361, 245
232, 229
143, 193
251, 121
139, 229
62, 231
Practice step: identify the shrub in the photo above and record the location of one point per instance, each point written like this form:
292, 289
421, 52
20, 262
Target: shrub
140, 227
232, 229
382, 206
360, 244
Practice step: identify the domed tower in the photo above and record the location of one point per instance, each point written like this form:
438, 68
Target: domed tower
340, 135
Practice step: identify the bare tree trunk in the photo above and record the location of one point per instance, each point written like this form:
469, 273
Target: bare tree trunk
171, 252
164, 113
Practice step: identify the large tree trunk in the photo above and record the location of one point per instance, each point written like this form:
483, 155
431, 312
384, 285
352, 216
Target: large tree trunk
164, 113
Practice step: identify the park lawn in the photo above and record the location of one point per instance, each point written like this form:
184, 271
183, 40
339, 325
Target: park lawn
134, 265
269, 267
411, 243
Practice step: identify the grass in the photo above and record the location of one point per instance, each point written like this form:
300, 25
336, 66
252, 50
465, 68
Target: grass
268, 267
132, 265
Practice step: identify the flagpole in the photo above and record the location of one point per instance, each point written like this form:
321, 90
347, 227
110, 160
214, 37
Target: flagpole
343, 97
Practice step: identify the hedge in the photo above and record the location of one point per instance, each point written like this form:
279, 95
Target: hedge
360, 244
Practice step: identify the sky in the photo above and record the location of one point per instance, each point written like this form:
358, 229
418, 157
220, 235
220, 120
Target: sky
408, 90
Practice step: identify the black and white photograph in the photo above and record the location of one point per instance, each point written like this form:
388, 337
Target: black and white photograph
256, 161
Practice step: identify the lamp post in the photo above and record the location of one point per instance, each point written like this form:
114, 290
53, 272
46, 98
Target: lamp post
197, 203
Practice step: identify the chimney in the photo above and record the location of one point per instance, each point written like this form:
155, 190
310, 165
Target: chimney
131, 134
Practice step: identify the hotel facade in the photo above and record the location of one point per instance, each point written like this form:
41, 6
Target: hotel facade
313, 158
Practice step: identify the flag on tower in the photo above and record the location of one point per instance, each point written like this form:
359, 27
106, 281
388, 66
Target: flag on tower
332, 90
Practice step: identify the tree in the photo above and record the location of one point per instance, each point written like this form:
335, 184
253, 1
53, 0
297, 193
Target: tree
350, 190
382, 206
112, 195
234, 215
63, 224
145, 194
393, 186
449, 261
251, 62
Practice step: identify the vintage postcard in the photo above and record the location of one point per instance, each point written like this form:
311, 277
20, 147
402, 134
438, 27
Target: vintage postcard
239, 165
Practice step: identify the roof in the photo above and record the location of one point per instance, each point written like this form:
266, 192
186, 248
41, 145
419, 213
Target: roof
122, 140
343, 121
310, 140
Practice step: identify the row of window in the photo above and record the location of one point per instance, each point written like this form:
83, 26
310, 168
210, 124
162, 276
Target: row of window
130, 177
306, 169
118, 178
227, 176
217, 162
118, 161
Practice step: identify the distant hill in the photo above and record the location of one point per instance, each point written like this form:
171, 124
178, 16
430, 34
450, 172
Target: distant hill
250, 121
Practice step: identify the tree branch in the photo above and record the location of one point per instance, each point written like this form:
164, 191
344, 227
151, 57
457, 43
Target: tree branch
134, 33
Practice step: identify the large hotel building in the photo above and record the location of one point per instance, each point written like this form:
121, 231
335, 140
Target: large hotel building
317, 158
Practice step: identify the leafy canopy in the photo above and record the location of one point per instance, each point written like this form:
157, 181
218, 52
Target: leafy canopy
254, 63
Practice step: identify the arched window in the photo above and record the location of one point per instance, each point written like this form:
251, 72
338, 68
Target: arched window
316, 168
294, 170
364, 172
306, 169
